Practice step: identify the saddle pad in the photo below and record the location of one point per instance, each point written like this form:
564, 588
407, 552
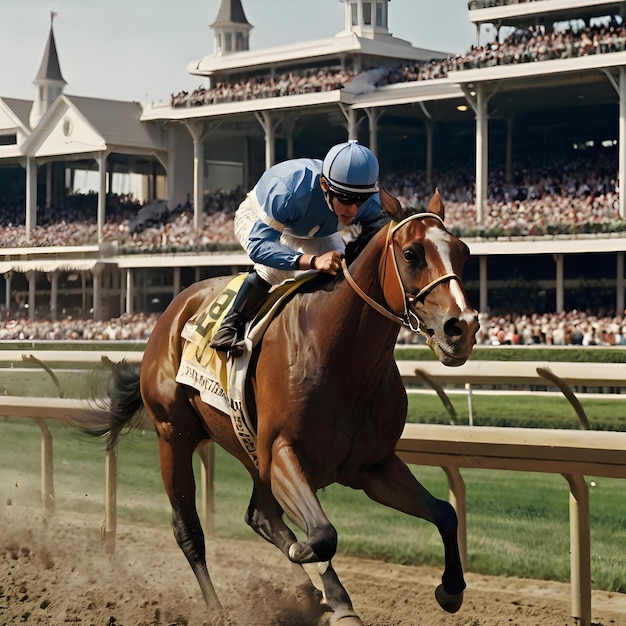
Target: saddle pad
219, 378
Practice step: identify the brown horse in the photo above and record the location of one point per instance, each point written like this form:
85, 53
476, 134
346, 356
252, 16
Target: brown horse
327, 399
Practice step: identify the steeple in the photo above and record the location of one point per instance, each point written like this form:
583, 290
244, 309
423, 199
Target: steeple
49, 82
367, 18
231, 29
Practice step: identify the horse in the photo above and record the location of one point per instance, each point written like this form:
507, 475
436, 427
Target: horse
326, 397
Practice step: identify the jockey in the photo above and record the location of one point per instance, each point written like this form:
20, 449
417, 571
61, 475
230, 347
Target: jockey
290, 222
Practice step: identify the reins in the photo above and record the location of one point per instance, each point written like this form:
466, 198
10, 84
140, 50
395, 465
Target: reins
398, 289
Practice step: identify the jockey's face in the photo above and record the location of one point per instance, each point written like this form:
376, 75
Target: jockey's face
344, 206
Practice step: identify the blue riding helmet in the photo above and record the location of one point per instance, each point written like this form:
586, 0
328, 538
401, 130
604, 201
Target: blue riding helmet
351, 168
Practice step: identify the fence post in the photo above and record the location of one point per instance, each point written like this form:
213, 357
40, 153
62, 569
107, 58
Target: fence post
456, 491
206, 453
47, 470
580, 548
109, 527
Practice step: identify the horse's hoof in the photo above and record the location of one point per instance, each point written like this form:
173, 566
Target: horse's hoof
345, 618
450, 602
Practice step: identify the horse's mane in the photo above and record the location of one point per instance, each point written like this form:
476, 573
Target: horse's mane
368, 229
391, 210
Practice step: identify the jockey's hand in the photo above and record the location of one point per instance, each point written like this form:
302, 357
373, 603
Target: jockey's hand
329, 262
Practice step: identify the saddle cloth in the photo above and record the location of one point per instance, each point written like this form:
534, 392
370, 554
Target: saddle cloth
217, 376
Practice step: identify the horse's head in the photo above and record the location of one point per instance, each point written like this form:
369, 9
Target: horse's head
420, 274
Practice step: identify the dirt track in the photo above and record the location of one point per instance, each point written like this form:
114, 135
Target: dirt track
58, 574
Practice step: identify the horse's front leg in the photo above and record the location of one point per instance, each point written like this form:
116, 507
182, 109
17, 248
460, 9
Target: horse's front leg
297, 498
265, 517
394, 485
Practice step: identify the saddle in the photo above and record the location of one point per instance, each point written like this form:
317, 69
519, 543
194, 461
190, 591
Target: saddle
220, 377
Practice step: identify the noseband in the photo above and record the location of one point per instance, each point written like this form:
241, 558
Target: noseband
391, 281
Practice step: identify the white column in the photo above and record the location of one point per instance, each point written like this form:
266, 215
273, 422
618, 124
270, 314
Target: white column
482, 153
198, 185
83, 285
129, 291
31, 195
269, 127
102, 194
619, 280
32, 294
373, 115
483, 304
560, 288
196, 130
122, 281
620, 89
352, 121
97, 293
54, 294
8, 277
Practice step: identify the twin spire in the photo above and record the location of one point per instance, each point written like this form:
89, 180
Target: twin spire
231, 28
49, 82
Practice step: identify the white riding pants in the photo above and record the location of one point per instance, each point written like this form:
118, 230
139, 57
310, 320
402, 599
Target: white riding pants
250, 211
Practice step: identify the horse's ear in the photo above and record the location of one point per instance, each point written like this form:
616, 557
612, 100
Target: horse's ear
436, 205
391, 205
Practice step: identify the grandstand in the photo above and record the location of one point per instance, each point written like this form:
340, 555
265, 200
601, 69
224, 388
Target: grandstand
523, 137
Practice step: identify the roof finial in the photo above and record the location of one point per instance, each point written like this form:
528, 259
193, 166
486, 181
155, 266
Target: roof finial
53, 14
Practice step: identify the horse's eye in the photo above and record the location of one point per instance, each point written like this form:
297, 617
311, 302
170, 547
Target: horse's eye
410, 255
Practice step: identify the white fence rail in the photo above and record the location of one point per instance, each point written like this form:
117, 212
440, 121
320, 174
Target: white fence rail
573, 454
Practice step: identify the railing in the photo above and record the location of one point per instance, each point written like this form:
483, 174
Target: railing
563, 376
573, 454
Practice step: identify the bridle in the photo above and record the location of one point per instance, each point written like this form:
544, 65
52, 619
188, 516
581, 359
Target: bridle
389, 278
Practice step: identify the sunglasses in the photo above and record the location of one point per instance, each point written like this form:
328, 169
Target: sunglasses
348, 199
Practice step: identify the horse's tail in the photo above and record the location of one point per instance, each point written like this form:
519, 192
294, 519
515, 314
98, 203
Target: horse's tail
118, 409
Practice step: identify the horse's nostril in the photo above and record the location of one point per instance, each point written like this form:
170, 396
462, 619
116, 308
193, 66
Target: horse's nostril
451, 328
430, 332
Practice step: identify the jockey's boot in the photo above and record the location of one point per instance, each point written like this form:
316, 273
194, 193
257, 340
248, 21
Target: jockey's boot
248, 301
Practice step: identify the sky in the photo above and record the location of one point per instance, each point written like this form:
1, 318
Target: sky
139, 49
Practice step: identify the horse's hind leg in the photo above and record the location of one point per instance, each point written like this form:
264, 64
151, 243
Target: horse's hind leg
296, 497
394, 485
176, 452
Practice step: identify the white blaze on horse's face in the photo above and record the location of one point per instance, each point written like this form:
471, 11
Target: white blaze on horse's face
441, 239
447, 318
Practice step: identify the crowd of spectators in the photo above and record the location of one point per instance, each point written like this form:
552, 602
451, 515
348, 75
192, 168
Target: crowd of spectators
565, 195
287, 84
559, 195
127, 327
569, 328
526, 45
581, 328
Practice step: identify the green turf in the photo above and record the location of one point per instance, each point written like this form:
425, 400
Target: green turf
517, 522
